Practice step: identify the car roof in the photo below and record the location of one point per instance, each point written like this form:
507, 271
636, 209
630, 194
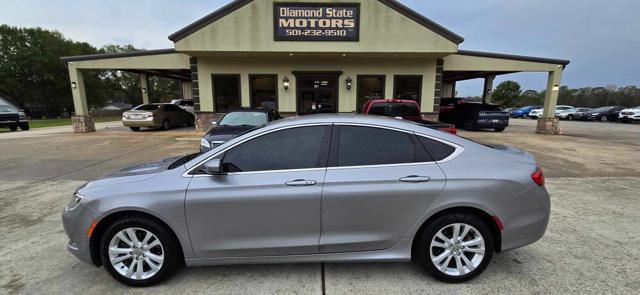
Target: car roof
392, 100
250, 110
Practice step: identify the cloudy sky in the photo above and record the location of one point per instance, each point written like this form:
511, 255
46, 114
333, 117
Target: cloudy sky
601, 38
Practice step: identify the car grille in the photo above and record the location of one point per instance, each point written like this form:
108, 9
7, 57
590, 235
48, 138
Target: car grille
8, 117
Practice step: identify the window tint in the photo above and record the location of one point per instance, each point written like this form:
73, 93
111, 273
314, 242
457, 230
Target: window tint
296, 148
438, 151
403, 109
374, 146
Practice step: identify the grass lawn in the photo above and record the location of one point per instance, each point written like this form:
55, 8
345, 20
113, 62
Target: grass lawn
65, 122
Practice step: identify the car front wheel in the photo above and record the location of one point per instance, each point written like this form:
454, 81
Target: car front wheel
139, 252
603, 119
456, 248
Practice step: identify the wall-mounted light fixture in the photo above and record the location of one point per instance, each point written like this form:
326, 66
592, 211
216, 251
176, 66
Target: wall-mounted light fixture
349, 82
144, 90
285, 82
74, 85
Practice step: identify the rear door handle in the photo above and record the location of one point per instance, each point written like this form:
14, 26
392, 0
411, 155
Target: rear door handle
415, 179
301, 182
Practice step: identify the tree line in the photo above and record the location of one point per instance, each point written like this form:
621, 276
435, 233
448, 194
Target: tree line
510, 94
32, 75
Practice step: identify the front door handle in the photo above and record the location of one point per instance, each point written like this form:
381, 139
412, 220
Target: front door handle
301, 182
415, 179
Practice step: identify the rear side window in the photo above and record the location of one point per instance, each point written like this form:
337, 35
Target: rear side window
438, 150
361, 146
295, 148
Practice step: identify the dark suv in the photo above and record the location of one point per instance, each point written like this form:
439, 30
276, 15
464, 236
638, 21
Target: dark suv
12, 117
472, 116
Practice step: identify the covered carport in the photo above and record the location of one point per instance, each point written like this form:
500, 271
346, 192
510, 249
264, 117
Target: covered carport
466, 65
162, 63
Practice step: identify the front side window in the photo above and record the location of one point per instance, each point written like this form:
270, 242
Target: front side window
226, 92
295, 148
361, 146
408, 88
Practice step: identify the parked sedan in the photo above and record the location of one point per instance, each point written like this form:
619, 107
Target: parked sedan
536, 113
472, 116
162, 116
523, 112
630, 115
563, 112
580, 114
604, 114
326, 188
235, 123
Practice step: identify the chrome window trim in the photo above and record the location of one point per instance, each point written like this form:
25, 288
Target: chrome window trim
194, 167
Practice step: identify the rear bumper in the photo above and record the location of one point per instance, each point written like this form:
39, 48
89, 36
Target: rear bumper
490, 123
140, 123
525, 218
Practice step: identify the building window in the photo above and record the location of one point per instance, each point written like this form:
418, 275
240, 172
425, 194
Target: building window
407, 87
264, 91
369, 87
226, 92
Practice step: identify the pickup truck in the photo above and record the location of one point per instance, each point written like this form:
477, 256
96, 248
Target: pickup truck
11, 117
404, 109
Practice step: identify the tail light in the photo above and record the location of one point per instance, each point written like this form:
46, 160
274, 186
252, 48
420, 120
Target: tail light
450, 129
150, 115
538, 177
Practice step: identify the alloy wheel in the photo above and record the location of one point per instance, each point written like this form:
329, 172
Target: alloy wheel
457, 249
136, 253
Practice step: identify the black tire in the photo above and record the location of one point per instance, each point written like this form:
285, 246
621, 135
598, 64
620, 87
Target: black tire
135, 128
501, 129
24, 126
570, 117
468, 125
172, 256
603, 118
525, 116
13, 127
192, 121
428, 233
165, 125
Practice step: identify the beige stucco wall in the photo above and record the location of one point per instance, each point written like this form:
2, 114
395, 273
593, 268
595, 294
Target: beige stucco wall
350, 66
457, 62
250, 29
170, 61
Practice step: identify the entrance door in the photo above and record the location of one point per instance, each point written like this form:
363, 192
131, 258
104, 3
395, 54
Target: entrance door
317, 93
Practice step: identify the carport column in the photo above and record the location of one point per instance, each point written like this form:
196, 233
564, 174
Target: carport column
487, 93
144, 86
82, 121
549, 124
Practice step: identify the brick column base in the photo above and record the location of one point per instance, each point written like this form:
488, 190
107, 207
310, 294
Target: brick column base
204, 121
83, 124
549, 126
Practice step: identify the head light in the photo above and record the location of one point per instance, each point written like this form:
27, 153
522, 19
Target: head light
22, 115
205, 143
74, 202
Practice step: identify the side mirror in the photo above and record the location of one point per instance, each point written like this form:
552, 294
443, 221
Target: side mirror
213, 167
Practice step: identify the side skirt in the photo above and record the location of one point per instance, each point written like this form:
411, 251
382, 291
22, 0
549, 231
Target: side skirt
398, 253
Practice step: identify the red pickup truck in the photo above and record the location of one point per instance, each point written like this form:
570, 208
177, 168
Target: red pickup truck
405, 109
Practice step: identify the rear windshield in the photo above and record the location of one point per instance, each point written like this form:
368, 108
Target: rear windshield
395, 109
147, 107
490, 107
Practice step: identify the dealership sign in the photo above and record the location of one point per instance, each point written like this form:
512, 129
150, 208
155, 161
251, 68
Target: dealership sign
316, 22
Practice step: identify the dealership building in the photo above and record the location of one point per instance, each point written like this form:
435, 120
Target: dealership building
314, 56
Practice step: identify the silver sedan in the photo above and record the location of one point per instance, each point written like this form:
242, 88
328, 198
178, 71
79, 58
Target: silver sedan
325, 188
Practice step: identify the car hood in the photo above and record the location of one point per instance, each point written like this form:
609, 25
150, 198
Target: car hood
225, 133
514, 154
134, 173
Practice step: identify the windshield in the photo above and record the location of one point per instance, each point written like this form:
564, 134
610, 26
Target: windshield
603, 109
244, 119
7, 109
147, 107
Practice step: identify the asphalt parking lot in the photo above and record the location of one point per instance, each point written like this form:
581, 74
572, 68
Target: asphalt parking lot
591, 245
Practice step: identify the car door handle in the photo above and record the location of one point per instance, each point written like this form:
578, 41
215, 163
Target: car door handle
415, 179
301, 182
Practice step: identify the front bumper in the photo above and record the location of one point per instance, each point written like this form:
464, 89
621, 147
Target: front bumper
76, 225
629, 117
525, 218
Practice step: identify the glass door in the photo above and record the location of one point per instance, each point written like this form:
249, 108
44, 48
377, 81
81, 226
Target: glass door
317, 94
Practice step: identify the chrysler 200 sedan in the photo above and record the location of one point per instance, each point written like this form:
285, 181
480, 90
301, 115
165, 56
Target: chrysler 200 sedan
324, 188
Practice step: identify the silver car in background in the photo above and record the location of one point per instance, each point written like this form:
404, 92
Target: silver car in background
157, 115
323, 188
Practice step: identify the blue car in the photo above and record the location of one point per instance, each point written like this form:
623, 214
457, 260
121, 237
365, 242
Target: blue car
523, 112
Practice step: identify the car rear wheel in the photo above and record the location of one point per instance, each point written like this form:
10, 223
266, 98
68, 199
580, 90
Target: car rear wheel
139, 252
456, 248
165, 125
135, 128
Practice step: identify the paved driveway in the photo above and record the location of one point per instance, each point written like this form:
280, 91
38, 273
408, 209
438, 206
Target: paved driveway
590, 246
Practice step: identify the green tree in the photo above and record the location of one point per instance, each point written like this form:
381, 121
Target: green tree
507, 93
